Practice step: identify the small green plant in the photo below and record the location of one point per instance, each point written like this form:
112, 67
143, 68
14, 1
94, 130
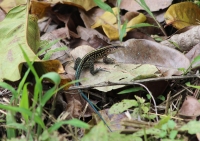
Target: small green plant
168, 130
33, 126
142, 110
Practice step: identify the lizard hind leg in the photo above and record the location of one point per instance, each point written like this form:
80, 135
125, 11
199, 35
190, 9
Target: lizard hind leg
77, 62
93, 71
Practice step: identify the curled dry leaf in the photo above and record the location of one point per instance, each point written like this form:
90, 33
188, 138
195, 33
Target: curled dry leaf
185, 41
190, 108
182, 14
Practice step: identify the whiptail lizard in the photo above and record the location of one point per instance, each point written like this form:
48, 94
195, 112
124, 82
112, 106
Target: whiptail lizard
88, 61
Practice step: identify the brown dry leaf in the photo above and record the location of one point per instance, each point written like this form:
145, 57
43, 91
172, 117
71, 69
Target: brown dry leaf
2, 15
90, 16
190, 108
86, 4
76, 104
57, 34
131, 5
182, 14
49, 66
194, 52
65, 79
185, 41
7, 5
40, 8
113, 120
148, 52
88, 33
74, 107
70, 23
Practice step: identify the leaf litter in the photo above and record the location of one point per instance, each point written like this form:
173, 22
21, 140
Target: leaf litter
142, 58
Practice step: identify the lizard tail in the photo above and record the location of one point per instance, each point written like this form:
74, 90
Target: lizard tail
95, 110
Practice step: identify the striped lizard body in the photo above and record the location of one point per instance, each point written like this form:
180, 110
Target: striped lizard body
90, 58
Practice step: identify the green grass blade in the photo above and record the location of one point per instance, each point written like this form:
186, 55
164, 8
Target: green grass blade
196, 59
11, 133
103, 6
73, 122
38, 86
123, 31
37, 119
55, 78
142, 25
136, 89
24, 101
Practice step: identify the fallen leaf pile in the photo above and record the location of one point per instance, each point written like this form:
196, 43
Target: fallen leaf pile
53, 34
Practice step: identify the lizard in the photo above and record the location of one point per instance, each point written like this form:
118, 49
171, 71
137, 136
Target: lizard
88, 61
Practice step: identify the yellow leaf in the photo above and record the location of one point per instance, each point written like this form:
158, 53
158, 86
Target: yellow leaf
111, 31
182, 14
138, 19
106, 18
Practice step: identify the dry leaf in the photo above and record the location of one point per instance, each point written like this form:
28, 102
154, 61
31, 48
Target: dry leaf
136, 20
87, 33
110, 27
190, 108
90, 16
185, 41
106, 18
182, 14
111, 31
2, 15
131, 5
40, 8
86, 4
